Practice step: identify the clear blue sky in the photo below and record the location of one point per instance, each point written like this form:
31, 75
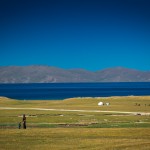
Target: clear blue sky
89, 34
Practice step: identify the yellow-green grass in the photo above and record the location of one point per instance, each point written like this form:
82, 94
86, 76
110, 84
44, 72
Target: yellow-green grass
128, 103
37, 118
58, 118
62, 130
75, 138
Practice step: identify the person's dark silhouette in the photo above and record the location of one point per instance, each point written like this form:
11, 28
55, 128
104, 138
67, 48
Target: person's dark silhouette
24, 121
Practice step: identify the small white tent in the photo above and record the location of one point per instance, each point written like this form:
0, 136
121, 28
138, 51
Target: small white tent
107, 104
100, 104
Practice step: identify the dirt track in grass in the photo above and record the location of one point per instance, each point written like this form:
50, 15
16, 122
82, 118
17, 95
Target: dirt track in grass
70, 110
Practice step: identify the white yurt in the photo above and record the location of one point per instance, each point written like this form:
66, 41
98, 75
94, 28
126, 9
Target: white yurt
100, 104
107, 104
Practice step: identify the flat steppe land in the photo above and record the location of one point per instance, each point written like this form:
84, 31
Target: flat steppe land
76, 123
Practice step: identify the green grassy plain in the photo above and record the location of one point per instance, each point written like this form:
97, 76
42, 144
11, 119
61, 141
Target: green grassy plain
62, 130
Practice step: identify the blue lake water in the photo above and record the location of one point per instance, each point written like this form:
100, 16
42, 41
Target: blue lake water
59, 91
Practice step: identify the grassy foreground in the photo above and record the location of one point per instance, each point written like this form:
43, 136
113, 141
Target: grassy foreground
64, 130
76, 139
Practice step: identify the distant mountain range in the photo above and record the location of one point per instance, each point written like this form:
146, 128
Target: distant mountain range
48, 74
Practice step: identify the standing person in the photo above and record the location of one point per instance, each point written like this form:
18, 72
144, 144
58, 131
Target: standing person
24, 121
